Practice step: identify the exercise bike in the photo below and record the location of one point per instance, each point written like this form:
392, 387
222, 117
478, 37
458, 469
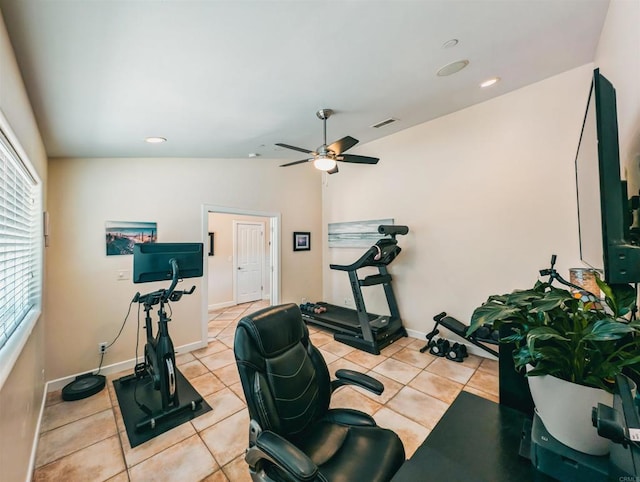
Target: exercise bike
159, 366
159, 354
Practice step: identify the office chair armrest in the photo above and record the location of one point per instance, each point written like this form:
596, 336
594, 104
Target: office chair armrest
284, 455
350, 377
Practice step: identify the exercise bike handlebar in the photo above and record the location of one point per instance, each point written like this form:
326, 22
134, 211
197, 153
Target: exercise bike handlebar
170, 294
174, 277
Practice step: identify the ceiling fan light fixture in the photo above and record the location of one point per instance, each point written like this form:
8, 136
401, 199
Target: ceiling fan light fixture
324, 163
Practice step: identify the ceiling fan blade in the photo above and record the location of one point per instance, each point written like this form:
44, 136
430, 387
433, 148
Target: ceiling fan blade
295, 162
358, 159
343, 144
299, 149
333, 171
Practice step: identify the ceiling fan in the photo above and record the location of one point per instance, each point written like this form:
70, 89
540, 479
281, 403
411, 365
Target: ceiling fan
324, 157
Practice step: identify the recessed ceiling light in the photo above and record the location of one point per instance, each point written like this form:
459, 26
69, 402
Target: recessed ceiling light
490, 82
452, 68
155, 140
450, 43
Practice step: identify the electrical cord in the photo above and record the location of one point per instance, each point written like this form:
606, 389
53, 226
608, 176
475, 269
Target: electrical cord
124, 322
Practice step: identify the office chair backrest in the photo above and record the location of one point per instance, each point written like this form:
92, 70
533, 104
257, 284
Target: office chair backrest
285, 379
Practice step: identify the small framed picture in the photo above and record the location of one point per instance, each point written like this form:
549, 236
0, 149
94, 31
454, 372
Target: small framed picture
301, 241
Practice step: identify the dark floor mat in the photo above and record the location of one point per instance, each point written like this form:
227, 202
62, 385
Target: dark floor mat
146, 395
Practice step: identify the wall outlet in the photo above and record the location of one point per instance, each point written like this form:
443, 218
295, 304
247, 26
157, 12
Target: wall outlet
102, 347
304, 300
122, 274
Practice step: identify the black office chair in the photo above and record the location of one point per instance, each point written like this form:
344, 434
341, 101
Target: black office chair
293, 435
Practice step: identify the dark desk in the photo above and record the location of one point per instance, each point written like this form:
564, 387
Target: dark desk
476, 440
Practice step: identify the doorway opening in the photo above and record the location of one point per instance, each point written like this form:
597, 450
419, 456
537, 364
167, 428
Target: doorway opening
243, 264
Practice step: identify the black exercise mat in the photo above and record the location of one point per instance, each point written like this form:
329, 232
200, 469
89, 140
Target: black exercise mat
147, 395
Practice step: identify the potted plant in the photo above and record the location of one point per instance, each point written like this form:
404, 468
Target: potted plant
566, 342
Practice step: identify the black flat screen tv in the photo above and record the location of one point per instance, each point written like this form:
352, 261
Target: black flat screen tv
152, 261
606, 212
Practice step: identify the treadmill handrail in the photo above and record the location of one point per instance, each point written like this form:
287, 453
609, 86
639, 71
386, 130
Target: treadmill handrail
386, 249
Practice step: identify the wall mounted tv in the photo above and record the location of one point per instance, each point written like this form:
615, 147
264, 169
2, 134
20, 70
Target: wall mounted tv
607, 204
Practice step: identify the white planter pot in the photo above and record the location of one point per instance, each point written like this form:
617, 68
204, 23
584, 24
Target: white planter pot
565, 411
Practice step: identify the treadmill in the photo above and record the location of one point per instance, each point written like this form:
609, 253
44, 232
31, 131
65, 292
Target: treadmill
357, 328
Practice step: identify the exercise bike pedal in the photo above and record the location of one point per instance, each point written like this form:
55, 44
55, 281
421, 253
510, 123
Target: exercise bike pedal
140, 370
439, 347
457, 352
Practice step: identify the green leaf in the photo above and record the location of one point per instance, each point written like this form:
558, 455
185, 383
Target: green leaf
489, 313
522, 357
554, 299
514, 338
545, 333
604, 287
620, 298
625, 296
542, 333
630, 361
607, 329
522, 297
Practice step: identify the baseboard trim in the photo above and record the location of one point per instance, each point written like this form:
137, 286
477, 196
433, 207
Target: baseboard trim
59, 383
36, 435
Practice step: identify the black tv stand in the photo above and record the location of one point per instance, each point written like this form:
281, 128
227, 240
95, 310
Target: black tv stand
358, 328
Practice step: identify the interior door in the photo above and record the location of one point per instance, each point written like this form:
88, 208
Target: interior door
249, 261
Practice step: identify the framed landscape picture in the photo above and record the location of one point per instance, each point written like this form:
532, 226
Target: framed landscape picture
122, 235
356, 234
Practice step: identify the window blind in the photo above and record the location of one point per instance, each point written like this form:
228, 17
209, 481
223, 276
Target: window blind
19, 241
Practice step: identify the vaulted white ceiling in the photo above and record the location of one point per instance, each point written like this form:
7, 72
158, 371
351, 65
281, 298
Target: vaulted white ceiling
224, 79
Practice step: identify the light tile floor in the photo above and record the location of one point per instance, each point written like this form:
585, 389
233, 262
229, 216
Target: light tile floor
86, 440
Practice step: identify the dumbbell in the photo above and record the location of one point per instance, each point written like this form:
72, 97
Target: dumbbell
457, 352
439, 347
483, 333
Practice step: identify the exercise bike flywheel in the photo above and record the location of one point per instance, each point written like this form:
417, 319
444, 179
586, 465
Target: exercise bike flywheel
171, 378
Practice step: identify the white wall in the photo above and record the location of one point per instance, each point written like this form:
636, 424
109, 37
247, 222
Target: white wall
85, 301
488, 194
21, 394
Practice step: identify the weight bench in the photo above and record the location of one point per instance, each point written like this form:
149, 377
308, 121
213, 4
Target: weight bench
480, 338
